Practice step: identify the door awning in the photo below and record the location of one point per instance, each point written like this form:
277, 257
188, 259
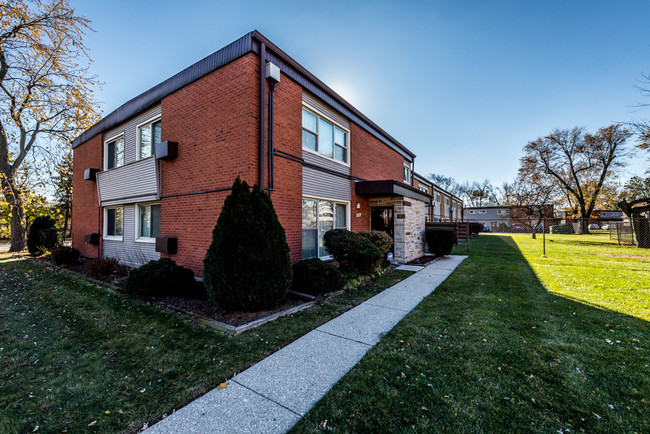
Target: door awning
389, 187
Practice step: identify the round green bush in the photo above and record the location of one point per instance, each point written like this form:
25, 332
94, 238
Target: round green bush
43, 235
315, 277
247, 266
440, 241
65, 255
160, 278
354, 253
380, 239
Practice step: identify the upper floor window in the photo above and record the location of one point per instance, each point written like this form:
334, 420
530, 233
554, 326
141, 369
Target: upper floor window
115, 152
501, 211
322, 136
423, 188
472, 211
481, 211
113, 223
407, 172
148, 138
437, 198
148, 222
446, 201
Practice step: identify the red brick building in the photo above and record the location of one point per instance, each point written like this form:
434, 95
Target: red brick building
151, 177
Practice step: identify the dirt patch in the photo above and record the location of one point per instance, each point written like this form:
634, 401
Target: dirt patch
421, 260
207, 309
611, 255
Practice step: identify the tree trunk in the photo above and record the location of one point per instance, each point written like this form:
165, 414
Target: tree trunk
17, 209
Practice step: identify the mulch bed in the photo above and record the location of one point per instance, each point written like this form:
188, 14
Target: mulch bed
199, 305
207, 309
421, 260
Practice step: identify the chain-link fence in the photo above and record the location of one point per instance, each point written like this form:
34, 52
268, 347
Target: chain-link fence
622, 232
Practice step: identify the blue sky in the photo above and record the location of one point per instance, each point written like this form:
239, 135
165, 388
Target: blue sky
463, 84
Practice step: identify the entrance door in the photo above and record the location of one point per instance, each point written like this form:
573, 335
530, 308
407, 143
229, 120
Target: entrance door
381, 219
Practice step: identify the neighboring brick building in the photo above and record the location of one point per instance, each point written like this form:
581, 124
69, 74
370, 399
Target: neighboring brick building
151, 177
444, 206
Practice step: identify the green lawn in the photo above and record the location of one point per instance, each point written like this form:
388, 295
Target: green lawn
511, 342
78, 357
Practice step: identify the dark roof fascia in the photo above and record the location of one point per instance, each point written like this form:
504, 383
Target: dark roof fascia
389, 187
154, 95
310, 82
422, 179
244, 45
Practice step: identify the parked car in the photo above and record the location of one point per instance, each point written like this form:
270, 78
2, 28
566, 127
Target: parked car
517, 226
594, 227
605, 227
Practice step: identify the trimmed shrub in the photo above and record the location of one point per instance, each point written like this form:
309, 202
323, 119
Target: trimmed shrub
440, 240
313, 276
354, 253
160, 278
475, 228
65, 255
562, 229
102, 267
247, 266
43, 235
380, 239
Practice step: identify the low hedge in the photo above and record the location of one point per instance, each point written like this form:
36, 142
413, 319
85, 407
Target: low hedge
354, 253
440, 241
561, 229
315, 277
380, 239
161, 278
65, 255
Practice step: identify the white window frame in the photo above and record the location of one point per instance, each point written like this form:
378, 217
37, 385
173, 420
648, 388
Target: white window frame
472, 211
109, 140
326, 118
437, 198
482, 211
407, 171
348, 212
138, 154
424, 189
138, 238
105, 225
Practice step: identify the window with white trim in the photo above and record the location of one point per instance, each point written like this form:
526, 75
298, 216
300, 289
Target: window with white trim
113, 223
148, 222
501, 211
114, 152
437, 198
447, 202
407, 172
481, 211
472, 211
148, 137
318, 217
423, 188
322, 136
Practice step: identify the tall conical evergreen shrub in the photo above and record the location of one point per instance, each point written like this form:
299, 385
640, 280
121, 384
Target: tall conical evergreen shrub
247, 266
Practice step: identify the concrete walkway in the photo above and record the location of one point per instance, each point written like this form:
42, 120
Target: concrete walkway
271, 396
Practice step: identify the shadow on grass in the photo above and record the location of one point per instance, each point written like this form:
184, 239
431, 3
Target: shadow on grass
491, 350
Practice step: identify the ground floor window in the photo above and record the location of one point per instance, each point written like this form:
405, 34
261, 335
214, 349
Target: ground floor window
148, 222
318, 217
113, 222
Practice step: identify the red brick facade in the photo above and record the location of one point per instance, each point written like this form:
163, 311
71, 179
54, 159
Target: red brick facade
85, 206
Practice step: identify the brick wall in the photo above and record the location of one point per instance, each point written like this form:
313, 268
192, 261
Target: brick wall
214, 121
370, 159
85, 204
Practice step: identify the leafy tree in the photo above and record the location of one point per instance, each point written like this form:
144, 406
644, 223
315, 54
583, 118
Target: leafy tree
637, 188
62, 181
577, 162
46, 92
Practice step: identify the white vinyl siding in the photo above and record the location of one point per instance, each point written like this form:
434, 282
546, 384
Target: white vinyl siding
128, 251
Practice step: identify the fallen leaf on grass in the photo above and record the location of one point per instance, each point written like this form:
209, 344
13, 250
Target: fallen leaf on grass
92, 423
222, 385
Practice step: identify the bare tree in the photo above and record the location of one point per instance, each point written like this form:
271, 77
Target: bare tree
530, 199
46, 91
578, 163
478, 194
446, 182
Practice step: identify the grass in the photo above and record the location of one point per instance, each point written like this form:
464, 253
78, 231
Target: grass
78, 357
511, 342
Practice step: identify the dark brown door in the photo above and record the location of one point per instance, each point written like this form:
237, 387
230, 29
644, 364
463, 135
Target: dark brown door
381, 219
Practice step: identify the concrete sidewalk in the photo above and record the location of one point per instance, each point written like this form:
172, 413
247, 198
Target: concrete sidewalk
271, 396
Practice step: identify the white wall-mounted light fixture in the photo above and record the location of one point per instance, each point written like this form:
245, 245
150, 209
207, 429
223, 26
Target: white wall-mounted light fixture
358, 205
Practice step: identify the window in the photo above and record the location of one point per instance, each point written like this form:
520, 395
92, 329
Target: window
407, 171
437, 198
115, 152
148, 138
472, 211
447, 202
113, 223
501, 211
318, 217
148, 224
322, 136
481, 211
423, 189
